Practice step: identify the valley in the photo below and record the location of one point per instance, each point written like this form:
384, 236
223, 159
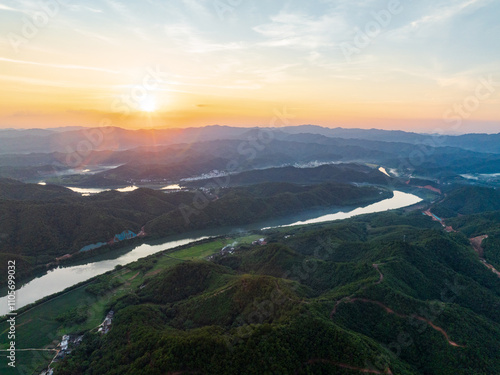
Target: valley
221, 187
361, 253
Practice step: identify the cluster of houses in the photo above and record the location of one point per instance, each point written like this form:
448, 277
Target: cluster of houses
261, 241
205, 176
68, 343
106, 324
228, 249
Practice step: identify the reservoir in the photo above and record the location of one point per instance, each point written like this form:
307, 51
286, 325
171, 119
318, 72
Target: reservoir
60, 278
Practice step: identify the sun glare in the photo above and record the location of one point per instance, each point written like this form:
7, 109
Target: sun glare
148, 105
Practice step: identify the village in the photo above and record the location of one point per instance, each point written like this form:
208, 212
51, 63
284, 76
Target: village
69, 342
230, 249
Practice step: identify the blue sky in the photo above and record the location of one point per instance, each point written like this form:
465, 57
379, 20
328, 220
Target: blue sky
389, 64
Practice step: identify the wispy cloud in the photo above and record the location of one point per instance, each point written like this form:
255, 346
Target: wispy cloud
200, 7
59, 66
273, 74
30, 7
93, 10
239, 85
303, 31
191, 41
438, 14
49, 83
5, 7
465, 80
134, 23
259, 52
119, 8
86, 8
90, 34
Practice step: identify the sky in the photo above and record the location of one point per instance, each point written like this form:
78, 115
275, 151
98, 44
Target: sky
425, 66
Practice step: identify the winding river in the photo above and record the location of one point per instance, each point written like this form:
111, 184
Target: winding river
61, 278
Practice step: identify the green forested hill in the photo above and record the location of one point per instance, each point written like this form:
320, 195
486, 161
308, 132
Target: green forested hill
59, 222
468, 200
14, 190
242, 205
346, 173
389, 293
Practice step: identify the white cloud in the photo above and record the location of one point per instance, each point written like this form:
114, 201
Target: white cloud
118, 8
272, 74
48, 83
79, 7
59, 66
191, 41
302, 31
93, 10
439, 14
199, 7
5, 7
124, 11
90, 34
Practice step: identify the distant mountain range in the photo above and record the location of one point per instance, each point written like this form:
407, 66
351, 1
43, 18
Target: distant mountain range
113, 138
132, 156
412, 291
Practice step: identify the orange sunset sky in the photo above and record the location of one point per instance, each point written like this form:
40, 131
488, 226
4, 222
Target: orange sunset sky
421, 66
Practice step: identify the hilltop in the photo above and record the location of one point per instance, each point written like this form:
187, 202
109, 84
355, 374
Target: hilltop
343, 298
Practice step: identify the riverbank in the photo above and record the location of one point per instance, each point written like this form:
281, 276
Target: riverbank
60, 278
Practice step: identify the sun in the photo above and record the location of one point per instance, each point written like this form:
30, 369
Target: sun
148, 104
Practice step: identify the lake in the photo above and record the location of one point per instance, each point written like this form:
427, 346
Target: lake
399, 200
60, 278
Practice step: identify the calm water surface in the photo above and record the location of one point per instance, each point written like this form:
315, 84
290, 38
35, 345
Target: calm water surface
61, 278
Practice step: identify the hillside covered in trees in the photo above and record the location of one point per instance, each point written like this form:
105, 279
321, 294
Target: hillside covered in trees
388, 293
40, 223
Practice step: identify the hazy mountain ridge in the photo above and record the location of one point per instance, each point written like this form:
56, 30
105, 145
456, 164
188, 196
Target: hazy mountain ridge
325, 173
247, 151
114, 138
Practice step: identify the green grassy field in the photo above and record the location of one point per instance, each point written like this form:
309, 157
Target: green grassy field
209, 248
38, 327
200, 251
